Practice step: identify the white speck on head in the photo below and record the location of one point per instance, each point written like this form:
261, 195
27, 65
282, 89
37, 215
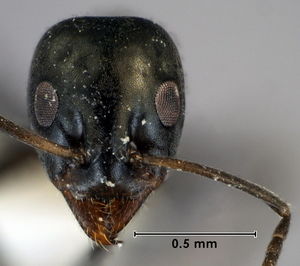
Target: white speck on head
128, 108
100, 219
144, 122
110, 184
125, 140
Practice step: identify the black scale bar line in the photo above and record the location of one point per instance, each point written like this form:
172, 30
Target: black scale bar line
137, 234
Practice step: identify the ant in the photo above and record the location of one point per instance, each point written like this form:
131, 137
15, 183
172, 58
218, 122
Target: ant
106, 102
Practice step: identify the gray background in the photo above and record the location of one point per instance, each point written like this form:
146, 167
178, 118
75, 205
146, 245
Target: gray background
241, 62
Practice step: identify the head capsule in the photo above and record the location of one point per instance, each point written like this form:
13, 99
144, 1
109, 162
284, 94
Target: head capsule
106, 85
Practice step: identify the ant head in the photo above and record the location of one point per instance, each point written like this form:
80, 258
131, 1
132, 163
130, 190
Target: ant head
107, 86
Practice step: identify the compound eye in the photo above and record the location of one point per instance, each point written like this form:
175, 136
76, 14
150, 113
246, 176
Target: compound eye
167, 103
45, 104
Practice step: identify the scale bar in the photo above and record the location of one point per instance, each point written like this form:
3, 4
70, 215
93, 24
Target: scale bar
157, 234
